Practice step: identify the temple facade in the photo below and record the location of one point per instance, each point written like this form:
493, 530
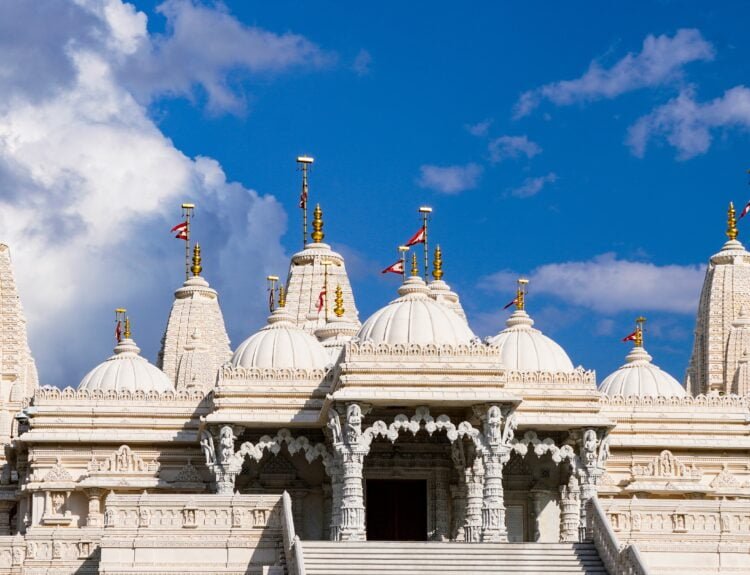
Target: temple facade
324, 438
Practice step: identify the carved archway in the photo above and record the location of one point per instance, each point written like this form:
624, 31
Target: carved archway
294, 445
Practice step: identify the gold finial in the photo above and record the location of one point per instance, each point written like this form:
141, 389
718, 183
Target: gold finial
731, 223
196, 269
317, 225
414, 266
437, 264
282, 296
339, 301
126, 334
521, 293
639, 321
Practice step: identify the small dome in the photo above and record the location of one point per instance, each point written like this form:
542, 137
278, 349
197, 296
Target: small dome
641, 377
126, 370
415, 318
281, 344
524, 348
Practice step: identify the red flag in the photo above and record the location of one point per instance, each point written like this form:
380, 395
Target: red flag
321, 295
397, 268
417, 238
745, 210
630, 337
510, 303
303, 198
181, 230
118, 331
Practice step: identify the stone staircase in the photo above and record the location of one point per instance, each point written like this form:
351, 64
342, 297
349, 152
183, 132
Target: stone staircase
434, 558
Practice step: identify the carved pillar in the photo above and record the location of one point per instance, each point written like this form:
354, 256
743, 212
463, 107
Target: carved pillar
594, 451
458, 493
569, 510
352, 499
495, 453
95, 517
336, 473
474, 477
493, 504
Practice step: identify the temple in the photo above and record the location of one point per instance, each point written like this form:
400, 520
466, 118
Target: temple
404, 443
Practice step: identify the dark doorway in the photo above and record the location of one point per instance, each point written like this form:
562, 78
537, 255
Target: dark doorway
396, 510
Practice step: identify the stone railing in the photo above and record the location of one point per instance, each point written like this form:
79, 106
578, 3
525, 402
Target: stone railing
618, 559
295, 561
192, 512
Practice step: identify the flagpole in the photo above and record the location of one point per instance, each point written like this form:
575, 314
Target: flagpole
187, 210
304, 163
402, 250
425, 211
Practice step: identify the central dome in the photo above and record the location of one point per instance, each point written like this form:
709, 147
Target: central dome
524, 348
415, 318
281, 344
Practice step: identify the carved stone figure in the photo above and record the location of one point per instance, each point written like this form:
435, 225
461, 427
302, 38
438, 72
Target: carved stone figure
353, 423
492, 425
207, 445
57, 501
226, 444
334, 424
589, 447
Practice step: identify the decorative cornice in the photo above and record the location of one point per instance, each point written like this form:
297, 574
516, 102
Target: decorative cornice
368, 348
55, 394
720, 401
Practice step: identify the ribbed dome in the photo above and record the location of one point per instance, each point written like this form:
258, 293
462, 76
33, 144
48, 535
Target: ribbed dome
126, 370
641, 377
415, 318
524, 348
281, 344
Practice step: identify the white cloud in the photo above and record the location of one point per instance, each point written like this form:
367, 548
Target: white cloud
204, 47
362, 63
661, 60
450, 179
89, 185
507, 147
479, 129
532, 186
686, 124
609, 285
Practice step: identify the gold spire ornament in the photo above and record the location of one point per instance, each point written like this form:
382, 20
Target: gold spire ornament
437, 264
317, 225
414, 265
521, 291
339, 301
731, 222
196, 267
282, 296
126, 334
639, 321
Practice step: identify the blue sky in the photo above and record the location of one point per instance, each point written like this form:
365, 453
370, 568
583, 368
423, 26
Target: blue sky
592, 146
